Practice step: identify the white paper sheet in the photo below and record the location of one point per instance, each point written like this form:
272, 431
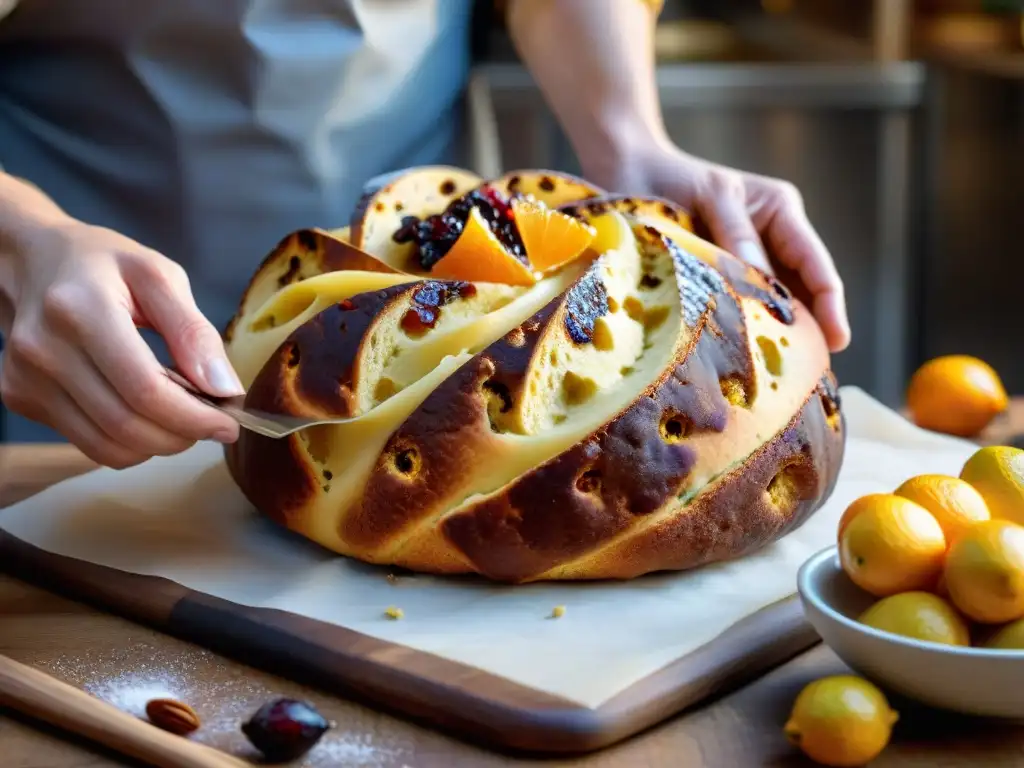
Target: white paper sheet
183, 518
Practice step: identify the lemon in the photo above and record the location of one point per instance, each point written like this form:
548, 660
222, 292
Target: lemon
891, 545
920, 615
1009, 638
841, 720
858, 505
955, 394
955, 503
997, 473
985, 572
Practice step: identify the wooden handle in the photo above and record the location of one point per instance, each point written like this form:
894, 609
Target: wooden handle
38, 695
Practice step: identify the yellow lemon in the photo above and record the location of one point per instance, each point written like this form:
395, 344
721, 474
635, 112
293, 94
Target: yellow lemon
955, 503
892, 545
985, 572
997, 473
1009, 637
955, 394
842, 720
857, 506
920, 615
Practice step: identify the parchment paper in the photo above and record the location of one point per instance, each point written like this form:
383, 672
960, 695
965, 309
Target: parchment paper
183, 518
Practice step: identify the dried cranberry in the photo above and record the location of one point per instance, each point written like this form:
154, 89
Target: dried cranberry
434, 236
285, 729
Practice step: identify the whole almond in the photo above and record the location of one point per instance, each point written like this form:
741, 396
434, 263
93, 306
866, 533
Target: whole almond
171, 715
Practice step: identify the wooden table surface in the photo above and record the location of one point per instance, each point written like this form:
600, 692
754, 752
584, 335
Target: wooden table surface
126, 663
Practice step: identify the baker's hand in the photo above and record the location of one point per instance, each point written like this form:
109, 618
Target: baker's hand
747, 215
73, 357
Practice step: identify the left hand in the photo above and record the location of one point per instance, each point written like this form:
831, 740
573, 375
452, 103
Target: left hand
747, 215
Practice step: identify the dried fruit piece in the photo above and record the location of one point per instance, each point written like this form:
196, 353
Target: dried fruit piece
551, 238
172, 715
478, 255
434, 236
285, 729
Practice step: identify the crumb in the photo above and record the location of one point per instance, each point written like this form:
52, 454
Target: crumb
392, 579
558, 612
394, 613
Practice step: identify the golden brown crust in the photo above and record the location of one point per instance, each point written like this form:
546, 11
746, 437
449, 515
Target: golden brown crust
274, 475
314, 371
737, 514
298, 256
318, 368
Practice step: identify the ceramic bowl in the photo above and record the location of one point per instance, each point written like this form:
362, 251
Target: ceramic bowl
974, 681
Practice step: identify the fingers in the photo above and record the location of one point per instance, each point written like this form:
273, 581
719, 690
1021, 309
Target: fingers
75, 360
42, 400
723, 207
745, 213
104, 332
162, 292
795, 243
92, 393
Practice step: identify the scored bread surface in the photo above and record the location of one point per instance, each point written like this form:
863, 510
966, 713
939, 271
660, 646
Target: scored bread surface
656, 405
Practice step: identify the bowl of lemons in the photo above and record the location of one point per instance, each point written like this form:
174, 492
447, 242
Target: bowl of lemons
923, 592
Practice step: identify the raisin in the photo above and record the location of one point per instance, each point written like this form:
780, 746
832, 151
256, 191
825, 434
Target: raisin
425, 307
434, 236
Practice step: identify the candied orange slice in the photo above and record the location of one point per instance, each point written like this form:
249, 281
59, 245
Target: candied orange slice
551, 238
478, 255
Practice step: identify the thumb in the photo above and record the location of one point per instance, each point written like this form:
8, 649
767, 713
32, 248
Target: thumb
732, 230
194, 343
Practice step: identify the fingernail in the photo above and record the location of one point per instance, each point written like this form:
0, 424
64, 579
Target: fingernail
224, 436
221, 377
754, 254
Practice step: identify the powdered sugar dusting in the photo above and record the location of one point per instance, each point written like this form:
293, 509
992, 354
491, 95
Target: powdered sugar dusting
223, 703
352, 750
131, 695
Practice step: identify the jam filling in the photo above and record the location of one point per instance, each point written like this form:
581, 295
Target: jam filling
435, 235
427, 300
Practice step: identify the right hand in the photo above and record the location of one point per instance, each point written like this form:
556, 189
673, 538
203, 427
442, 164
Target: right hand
73, 357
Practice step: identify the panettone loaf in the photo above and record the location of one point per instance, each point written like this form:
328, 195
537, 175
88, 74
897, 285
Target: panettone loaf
652, 403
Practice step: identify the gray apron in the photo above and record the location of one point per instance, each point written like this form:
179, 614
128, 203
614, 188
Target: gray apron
208, 129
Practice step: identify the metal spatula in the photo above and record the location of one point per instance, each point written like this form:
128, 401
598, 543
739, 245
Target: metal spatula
274, 425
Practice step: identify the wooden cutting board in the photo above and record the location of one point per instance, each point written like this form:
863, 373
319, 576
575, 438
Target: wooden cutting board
462, 700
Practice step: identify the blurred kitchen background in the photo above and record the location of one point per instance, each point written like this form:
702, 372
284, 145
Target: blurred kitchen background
901, 123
